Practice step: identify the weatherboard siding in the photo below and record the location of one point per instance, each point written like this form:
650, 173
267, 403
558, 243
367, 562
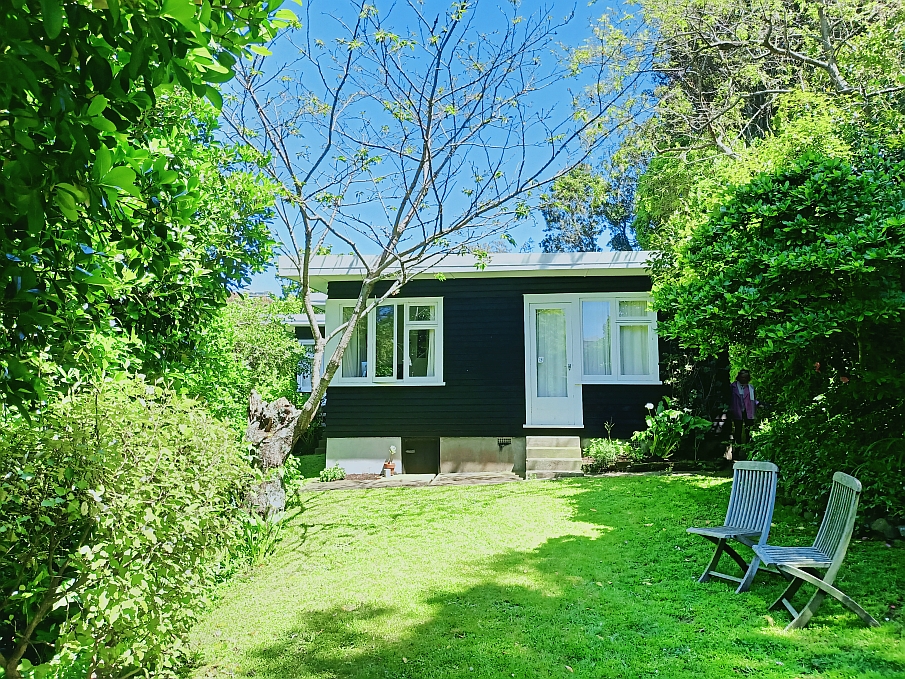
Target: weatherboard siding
483, 367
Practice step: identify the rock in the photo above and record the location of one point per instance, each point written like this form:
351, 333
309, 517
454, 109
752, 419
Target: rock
884, 528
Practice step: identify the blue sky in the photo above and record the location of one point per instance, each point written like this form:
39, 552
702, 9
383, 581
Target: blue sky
321, 23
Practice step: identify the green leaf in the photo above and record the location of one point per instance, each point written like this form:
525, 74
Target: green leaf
103, 161
122, 177
263, 51
286, 15
181, 10
102, 124
214, 96
52, 14
98, 104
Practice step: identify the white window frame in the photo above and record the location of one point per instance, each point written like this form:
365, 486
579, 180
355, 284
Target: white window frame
649, 319
334, 319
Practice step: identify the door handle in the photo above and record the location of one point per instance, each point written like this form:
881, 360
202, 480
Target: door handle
570, 366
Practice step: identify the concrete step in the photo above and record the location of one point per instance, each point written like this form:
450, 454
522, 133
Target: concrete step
551, 475
565, 453
552, 465
553, 442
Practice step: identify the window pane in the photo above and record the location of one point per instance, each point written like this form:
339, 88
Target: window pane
421, 353
400, 345
634, 349
632, 308
355, 358
422, 313
386, 345
552, 378
595, 335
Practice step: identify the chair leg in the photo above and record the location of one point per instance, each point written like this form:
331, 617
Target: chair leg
749, 576
805, 614
720, 546
737, 558
823, 588
787, 595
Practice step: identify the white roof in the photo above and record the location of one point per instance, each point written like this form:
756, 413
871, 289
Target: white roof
326, 268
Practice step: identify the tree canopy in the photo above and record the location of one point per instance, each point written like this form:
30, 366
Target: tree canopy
92, 197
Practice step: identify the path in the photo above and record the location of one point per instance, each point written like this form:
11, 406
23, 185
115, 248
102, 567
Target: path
417, 481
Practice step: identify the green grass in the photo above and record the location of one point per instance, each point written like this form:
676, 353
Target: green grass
312, 465
575, 578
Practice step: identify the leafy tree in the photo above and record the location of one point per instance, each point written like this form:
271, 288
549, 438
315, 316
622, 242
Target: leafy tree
247, 346
724, 66
199, 263
584, 205
802, 271
572, 212
83, 193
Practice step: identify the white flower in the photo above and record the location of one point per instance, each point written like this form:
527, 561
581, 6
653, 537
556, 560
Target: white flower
649, 406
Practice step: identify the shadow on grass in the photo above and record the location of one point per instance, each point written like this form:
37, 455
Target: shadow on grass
623, 604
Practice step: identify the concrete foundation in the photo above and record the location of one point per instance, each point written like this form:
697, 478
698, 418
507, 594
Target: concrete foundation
363, 455
481, 454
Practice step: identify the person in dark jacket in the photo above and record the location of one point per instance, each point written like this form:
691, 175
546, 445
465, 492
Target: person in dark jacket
742, 406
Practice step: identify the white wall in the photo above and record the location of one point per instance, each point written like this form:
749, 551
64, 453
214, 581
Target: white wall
363, 455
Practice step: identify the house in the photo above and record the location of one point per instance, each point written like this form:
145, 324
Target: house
469, 369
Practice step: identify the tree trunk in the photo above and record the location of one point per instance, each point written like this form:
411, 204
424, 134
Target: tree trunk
273, 432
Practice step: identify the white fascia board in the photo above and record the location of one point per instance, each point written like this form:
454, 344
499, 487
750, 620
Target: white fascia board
348, 267
302, 320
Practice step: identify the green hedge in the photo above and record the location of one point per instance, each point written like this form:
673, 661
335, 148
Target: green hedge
865, 440
116, 510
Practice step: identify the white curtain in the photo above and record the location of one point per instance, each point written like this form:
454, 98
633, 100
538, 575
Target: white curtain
552, 371
355, 358
422, 349
595, 335
634, 349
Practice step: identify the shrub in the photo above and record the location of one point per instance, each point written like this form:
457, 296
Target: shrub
605, 451
667, 427
837, 433
334, 473
115, 508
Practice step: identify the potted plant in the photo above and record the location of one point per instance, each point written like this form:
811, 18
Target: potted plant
389, 467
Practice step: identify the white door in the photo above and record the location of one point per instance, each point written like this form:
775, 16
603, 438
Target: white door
554, 398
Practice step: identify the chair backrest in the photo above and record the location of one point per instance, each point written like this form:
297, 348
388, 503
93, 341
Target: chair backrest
753, 497
839, 519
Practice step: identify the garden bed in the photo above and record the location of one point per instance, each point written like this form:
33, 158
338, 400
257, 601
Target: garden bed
592, 467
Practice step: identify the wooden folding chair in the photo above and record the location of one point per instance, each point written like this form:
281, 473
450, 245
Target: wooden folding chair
747, 519
828, 551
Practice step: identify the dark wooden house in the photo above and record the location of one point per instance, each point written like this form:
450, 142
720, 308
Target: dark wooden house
467, 370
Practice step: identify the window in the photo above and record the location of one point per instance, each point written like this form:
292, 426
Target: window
355, 359
595, 337
406, 346
621, 346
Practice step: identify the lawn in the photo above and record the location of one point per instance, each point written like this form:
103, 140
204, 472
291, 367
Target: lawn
580, 577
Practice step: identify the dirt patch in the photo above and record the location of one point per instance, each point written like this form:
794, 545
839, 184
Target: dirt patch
362, 477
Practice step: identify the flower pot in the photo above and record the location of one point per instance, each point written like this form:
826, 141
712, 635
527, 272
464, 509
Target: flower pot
389, 468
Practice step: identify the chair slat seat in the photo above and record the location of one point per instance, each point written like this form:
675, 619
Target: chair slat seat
724, 531
748, 520
800, 557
